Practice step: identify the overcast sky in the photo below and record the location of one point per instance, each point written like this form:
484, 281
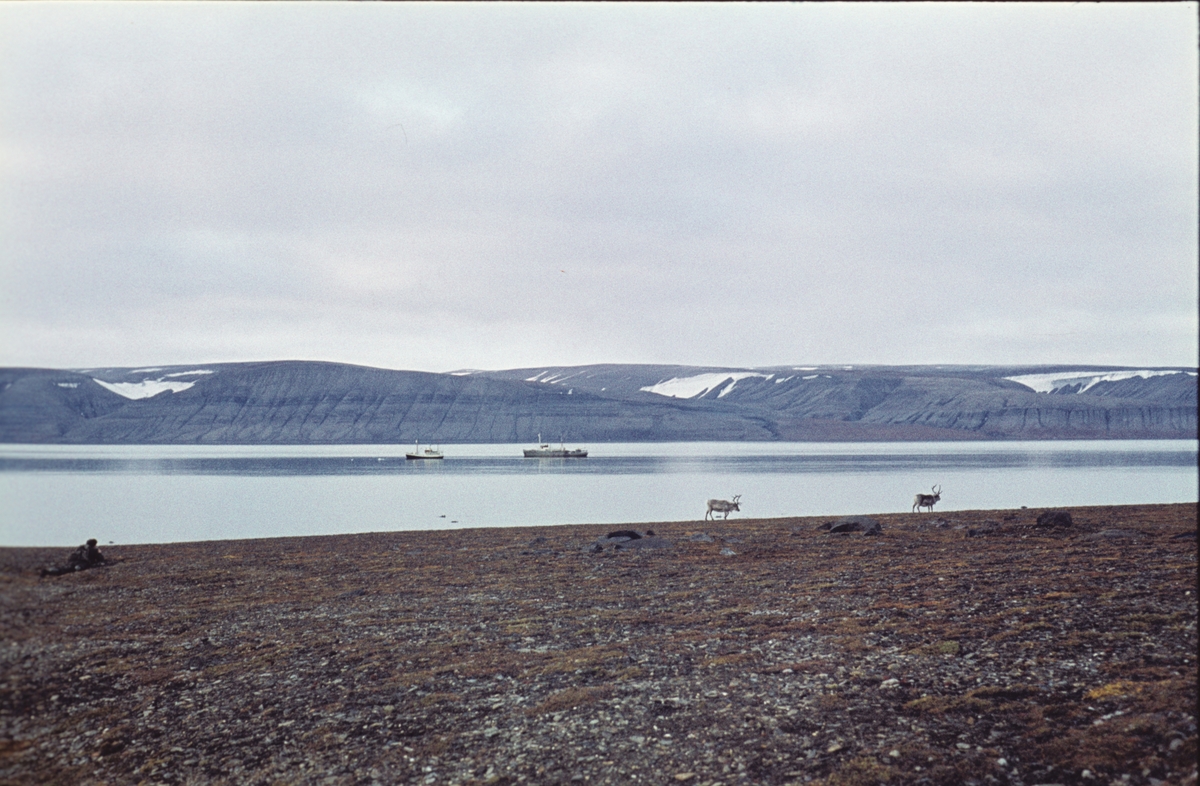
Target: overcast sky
448, 186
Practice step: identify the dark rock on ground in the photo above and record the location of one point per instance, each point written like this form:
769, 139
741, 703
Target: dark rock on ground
863, 524
629, 539
1055, 518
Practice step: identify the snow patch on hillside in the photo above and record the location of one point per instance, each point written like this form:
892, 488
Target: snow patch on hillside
144, 389
1048, 383
551, 378
698, 385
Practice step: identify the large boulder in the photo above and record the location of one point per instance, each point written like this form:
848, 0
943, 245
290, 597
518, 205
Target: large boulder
1055, 518
864, 524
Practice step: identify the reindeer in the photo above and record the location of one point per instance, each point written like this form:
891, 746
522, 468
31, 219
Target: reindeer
927, 500
721, 506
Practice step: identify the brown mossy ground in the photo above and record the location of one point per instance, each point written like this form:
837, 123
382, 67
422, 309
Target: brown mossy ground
955, 648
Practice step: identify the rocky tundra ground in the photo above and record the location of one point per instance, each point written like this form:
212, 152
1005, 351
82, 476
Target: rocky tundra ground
950, 648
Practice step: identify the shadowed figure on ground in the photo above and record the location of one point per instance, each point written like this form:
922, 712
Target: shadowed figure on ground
86, 556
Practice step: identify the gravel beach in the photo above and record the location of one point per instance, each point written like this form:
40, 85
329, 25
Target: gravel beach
965, 647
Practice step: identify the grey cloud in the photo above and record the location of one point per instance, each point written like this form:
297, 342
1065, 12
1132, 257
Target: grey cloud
722, 184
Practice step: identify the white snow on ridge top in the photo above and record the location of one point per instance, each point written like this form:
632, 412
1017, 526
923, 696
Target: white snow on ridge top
191, 373
553, 378
144, 389
1048, 383
693, 387
725, 392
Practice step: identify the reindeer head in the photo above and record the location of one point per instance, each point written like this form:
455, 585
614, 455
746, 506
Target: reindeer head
735, 501
937, 492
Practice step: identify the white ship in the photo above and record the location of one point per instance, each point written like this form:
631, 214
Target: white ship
543, 450
427, 453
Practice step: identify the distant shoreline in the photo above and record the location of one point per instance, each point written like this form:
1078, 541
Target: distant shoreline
898, 521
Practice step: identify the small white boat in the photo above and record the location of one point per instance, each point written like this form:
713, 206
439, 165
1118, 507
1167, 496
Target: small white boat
543, 450
427, 453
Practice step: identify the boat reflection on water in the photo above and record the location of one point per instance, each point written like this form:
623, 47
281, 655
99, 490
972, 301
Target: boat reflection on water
544, 450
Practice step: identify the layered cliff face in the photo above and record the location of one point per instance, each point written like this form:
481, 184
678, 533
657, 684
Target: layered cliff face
305, 402
296, 402
915, 402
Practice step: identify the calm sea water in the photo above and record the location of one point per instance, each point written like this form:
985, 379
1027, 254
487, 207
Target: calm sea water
54, 495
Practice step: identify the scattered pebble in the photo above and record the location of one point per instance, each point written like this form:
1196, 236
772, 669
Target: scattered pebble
451, 657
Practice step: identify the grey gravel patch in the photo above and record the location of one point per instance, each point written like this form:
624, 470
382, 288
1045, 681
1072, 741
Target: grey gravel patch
1113, 534
651, 542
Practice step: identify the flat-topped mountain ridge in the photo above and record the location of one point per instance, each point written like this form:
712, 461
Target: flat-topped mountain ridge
306, 402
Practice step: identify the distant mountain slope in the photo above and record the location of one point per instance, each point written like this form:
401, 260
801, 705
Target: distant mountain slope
306, 402
965, 401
